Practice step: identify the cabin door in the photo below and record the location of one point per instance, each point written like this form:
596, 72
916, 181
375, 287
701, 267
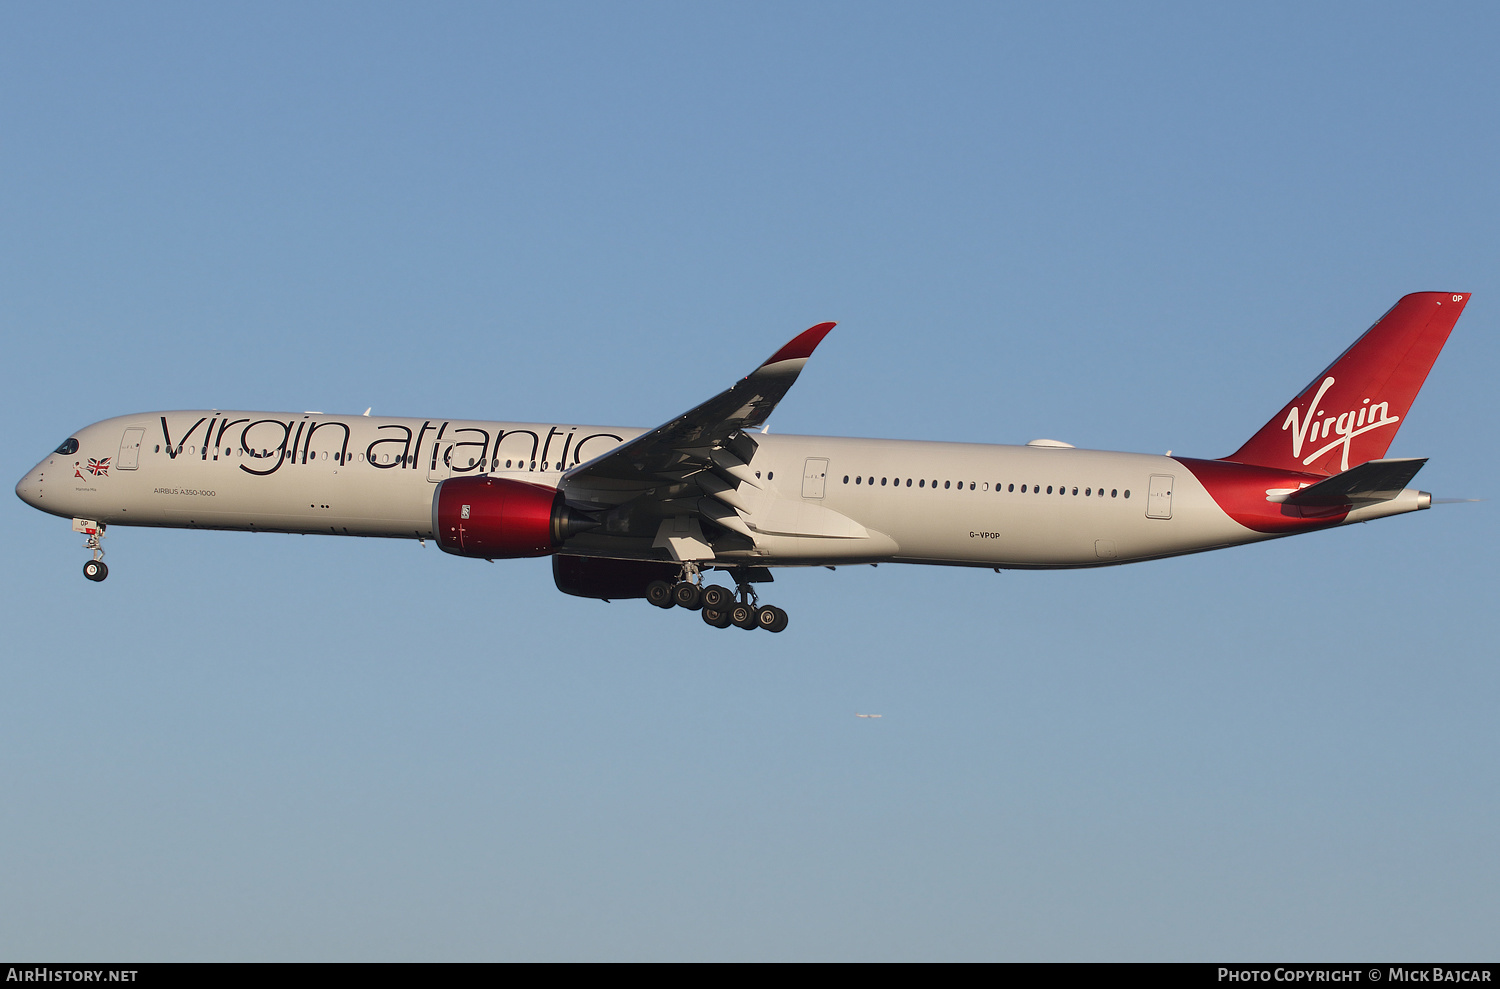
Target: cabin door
814, 477
437, 463
1159, 498
130, 449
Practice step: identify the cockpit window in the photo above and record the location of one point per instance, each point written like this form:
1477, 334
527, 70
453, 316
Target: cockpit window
68, 447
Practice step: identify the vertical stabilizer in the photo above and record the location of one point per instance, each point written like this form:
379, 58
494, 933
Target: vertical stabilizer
1350, 413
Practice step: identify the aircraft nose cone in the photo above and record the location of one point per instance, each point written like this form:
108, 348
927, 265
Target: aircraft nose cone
29, 489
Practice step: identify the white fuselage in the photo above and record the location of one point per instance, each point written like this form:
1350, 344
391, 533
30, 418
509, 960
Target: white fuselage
874, 501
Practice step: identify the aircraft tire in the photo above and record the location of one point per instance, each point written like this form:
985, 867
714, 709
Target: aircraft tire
717, 597
686, 595
659, 593
716, 617
771, 618
744, 616
95, 570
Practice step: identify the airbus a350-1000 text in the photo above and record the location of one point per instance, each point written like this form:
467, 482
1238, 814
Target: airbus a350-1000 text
627, 512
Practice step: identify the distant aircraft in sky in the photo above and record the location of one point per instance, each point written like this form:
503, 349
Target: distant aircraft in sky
858, 715
627, 512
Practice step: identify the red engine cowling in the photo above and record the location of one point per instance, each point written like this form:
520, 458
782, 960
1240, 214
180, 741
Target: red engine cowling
496, 518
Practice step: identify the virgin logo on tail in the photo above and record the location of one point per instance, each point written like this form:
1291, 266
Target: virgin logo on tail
1345, 425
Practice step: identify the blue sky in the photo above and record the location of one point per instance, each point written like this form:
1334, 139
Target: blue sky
1135, 228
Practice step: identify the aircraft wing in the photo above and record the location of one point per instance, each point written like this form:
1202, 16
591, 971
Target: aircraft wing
666, 483
700, 438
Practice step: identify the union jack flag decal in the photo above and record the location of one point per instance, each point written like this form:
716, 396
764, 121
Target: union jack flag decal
98, 467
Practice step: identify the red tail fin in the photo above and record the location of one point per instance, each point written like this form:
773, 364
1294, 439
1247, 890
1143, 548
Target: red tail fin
1350, 413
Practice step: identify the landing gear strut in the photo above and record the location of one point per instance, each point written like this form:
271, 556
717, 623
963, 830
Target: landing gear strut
724, 611
719, 606
685, 593
94, 569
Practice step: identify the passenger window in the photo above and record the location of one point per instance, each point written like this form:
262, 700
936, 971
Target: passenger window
770, 475
846, 478
922, 483
1114, 492
1013, 487
1127, 492
882, 482
947, 485
971, 485
908, 482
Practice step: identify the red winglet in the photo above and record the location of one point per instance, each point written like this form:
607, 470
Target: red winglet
802, 345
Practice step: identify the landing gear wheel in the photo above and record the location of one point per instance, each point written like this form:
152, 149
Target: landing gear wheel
659, 593
686, 595
771, 618
743, 615
715, 617
95, 570
716, 597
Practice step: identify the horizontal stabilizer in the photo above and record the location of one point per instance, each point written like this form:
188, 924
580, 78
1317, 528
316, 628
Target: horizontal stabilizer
1370, 482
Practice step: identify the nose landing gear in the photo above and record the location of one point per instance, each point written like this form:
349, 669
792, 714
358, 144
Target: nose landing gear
94, 569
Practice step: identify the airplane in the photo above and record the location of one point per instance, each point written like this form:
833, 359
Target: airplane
648, 513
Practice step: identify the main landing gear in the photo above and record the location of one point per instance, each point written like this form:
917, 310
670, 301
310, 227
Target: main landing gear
94, 569
719, 606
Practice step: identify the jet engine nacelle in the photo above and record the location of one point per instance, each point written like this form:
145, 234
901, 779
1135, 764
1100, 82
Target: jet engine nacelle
496, 518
